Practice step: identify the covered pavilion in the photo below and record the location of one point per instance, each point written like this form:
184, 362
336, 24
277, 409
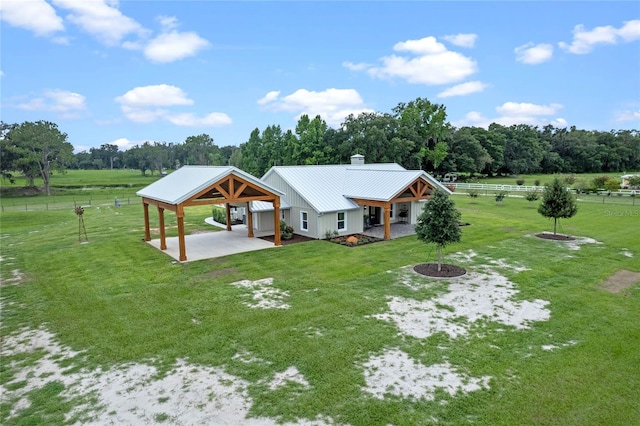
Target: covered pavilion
202, 185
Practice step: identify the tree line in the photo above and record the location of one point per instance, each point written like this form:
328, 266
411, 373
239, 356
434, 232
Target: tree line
415, 135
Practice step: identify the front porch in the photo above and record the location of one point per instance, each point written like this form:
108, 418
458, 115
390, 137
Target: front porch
396, 230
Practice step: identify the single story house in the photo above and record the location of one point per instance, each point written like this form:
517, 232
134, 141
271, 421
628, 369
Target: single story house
345, 198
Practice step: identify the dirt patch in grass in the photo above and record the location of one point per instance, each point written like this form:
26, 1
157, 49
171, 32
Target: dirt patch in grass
620, 281
446, 271
220, 272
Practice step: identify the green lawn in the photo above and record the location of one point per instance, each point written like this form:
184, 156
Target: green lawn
546, 178
119, 301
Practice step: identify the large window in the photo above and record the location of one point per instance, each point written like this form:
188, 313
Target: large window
342, 221
304, 221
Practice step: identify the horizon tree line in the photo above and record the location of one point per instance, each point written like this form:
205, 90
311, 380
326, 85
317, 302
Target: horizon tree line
415, 135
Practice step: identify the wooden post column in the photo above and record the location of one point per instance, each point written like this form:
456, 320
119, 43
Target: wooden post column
387, 221
276, 221
228, 211
249, 222
147, 231
181, 240
163, 234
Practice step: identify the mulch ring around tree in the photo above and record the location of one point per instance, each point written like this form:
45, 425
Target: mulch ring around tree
446, 270
555, 237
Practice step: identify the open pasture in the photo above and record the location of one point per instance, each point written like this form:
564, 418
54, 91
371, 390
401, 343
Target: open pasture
114, 331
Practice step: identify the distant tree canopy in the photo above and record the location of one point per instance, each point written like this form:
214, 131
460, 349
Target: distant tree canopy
35, 149
415, 135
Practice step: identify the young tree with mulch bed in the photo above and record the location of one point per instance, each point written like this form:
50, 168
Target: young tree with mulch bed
439, 222
557, 203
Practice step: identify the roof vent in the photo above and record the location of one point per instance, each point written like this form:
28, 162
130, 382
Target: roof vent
357, 159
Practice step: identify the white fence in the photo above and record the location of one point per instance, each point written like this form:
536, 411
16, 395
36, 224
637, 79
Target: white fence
493, 187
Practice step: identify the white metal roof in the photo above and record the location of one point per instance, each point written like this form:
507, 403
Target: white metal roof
264, 206
328, 188
187, 181
381, 185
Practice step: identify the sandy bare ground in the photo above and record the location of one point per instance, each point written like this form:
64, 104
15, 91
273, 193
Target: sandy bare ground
620, 281
196, 394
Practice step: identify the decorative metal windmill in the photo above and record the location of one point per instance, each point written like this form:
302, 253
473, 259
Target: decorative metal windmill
82, 231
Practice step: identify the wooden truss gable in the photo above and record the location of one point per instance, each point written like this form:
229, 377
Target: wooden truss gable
231, 189
419, 189
228, 190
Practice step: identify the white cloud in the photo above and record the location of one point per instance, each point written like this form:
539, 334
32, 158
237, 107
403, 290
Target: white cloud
423, 46
101, 19
168, 22
67, 104
462, 40
427, 62
173, 46
463, 89
355, 67
527, 109
333, 105
35, 15
511, 113
155, 95
123, 144
534, 53
214, 119
584, 41
269, 97
628, 116
146, 104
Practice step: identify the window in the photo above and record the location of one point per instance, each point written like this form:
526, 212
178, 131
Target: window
391, 212
304, 221
342, 221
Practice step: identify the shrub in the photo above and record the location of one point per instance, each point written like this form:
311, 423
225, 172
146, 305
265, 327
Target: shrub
473, 193
583, 186
500, 196
634, 182
219, 215
286, 231
598, 182
570, 179
536, 182
532, 195
520, 182
612, 184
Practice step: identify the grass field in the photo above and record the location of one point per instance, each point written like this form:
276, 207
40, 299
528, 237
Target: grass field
546, 178
184, 343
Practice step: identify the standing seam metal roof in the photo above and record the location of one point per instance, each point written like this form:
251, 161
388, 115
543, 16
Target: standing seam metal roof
187, 181
328, 188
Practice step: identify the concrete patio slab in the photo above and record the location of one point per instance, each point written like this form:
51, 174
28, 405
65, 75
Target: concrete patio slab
208, 245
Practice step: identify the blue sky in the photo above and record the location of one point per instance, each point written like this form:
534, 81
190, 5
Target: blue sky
130, 71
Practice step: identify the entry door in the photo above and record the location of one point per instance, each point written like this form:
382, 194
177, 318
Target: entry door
375, 214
